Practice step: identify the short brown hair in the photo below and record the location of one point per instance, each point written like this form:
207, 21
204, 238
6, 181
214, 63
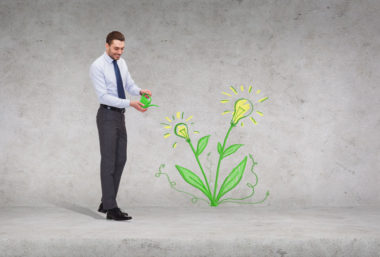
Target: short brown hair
114, 35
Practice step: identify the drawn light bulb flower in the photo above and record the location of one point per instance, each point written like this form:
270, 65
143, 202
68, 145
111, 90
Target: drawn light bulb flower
180, 127
181, 130
243, 107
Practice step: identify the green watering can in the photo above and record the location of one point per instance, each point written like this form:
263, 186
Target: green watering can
146, 100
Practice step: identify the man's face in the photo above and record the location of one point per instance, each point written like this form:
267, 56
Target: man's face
116, 49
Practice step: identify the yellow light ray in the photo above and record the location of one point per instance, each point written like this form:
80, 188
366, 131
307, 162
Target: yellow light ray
263, 99
178, 115
168, 127
168, 119
225, 112
242, 124
253, 120
196, 132
258, 91
242, 88
167, 135
260, 113
189, 118
224, 101
174, 145
227, 94
233, 90
249, 89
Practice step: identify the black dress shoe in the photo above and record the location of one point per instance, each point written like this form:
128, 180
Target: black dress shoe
115, 214
101, 209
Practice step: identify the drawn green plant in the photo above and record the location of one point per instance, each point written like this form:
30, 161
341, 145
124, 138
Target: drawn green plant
243, 107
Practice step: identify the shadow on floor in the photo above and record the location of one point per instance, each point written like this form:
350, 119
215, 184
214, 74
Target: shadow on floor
80, 209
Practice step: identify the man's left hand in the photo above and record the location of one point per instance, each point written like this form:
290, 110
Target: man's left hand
145, 91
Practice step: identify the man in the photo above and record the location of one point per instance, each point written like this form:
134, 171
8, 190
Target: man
110, 76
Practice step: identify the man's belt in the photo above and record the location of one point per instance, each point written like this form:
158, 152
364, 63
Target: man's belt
113, 108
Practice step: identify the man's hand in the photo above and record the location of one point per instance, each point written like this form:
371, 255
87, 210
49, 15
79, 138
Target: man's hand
145, 91
138, 106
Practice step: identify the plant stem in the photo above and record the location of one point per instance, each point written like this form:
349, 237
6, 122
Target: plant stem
204, 175
220, 159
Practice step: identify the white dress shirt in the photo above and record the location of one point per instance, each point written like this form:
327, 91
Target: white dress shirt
103, 77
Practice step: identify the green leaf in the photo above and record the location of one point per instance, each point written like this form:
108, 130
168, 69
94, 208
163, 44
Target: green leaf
233, 179
219, 148
202, 143
191, 178
230, 150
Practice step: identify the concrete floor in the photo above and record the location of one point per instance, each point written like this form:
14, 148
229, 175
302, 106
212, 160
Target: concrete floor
70, 230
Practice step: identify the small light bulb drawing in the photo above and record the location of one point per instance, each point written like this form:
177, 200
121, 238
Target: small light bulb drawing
181, 130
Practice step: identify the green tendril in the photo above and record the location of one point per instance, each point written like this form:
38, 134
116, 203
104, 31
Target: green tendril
194, 199
241, 200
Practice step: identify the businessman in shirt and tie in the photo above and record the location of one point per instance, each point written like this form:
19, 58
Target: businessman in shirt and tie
110, 76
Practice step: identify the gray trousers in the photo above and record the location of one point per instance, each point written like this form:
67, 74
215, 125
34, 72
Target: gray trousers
113, 151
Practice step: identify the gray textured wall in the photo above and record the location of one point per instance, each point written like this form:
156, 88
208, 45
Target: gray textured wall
318, 61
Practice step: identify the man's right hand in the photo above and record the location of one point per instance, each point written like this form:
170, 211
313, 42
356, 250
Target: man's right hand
138, 106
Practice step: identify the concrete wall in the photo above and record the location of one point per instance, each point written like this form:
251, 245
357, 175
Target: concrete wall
318, 61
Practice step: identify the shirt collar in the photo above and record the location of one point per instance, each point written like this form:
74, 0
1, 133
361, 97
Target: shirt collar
108, 58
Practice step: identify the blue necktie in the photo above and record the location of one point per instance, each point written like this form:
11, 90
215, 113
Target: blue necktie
120, 89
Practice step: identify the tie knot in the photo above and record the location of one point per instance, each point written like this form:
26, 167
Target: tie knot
114, 61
